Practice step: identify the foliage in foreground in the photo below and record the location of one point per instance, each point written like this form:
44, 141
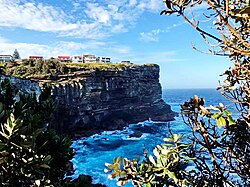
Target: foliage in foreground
219, 143
30, 153
165, 167
219, 152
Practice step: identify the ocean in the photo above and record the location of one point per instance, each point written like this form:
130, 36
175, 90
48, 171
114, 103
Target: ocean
94, 151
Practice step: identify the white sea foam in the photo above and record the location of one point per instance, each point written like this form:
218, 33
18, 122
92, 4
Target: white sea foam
94, 151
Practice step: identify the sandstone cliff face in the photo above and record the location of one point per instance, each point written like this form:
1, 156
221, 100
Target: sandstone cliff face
88, 102
108, 100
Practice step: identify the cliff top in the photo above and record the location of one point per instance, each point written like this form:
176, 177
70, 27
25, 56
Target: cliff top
54, 71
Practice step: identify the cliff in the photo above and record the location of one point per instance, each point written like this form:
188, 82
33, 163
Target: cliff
91, 101
108, 100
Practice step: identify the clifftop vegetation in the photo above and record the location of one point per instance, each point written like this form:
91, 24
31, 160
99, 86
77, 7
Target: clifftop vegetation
52, 69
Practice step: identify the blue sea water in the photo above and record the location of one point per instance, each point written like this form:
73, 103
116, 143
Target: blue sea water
94, 151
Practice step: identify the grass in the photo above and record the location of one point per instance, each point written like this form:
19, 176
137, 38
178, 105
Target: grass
30, 69
99, 66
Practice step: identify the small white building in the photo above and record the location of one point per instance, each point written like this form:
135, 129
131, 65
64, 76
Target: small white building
5, 58
125, 62
77, 59
103, 59
89, 58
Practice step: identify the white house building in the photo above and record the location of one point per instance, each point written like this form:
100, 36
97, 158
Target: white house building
103, 59
77, 59
5, 58
125, 62
89, 58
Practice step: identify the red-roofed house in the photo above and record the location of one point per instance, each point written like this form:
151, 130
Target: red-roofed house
64, 58
36, 57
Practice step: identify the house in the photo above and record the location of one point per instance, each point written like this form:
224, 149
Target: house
103, 59
36, 57
125, 62
77, 59
89, 58
64, 58
5, 58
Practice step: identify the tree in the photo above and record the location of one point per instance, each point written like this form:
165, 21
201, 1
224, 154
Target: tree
220, 147
31, 154
16, 55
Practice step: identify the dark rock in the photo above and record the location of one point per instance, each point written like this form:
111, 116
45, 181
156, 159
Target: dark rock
70, 169
81, 181
136, 134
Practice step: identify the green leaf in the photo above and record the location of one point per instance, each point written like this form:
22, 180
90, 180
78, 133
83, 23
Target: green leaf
217, 115
227, 113
1, 107
22, 171
221, 122
230, 120
2, 145
37, 182
45, 166
171, 175
27, 144
37, 132
12, 117
4, 135
168, 139
47, 159
119, 159
177, 137
167, 145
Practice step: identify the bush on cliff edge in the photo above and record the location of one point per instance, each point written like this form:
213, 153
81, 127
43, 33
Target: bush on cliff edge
30, 153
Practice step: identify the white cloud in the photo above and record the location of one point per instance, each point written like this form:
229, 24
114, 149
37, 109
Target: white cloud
98, 13
119, 28
132, 2
153, 35
120, 49
33, 16
161, 57
89, 18
63, 48
152, 5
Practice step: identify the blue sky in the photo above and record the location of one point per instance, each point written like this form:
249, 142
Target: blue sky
123, 30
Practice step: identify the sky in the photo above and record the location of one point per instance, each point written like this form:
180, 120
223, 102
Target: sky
123, 30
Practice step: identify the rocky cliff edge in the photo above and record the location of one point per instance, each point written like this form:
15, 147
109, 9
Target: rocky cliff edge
88, 102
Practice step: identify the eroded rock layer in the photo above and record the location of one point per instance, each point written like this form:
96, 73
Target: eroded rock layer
108, 100
91, 101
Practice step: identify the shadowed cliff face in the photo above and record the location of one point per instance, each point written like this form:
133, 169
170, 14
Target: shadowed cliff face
88, 102
109, 100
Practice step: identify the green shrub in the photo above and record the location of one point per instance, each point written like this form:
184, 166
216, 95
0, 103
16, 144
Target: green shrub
164, 168
30, 68
31, 153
